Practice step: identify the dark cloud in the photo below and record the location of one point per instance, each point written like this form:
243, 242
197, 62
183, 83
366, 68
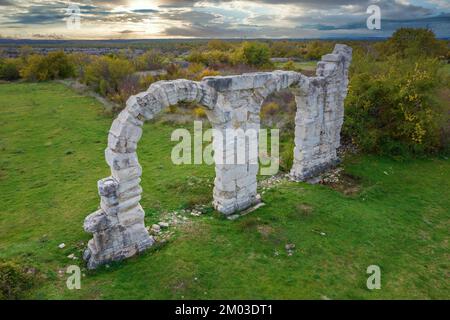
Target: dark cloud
46, 13
177, 3
54, 12
107, 3
130, 31
5, 3
440, 25
189, 16
145, 11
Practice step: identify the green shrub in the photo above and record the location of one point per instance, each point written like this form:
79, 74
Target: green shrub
105, 74
35, 69
287, 155
151, 60
14, 281
256, 53
391, 107
56, 65
175, 71
220, 45
285, 49
316, 49
196, 56
59, 65
410, 42
146, 81
80, 62
210, 58
290, 66
9, 70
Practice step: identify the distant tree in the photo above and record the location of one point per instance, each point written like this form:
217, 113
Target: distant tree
25, 52
9, 70
151, 60
256, 53
195, 68
316, 49
174, 71
53, 66
34, 70
59, 65
211, 58
80, 62
196, 56
285, 49
290, 66
410, 42
105, 74
220, 45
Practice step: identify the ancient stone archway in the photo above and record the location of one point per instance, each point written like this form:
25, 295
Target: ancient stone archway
231, 101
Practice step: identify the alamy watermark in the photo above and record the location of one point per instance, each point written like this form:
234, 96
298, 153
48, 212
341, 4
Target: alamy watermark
73, 21
374, 20
74, 280
374, 280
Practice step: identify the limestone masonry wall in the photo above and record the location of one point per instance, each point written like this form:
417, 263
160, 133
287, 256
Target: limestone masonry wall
231, 102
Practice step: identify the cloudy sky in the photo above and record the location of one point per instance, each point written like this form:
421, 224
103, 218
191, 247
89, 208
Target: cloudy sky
101, 19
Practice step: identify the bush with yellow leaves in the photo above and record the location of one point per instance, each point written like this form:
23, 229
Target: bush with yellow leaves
391, 107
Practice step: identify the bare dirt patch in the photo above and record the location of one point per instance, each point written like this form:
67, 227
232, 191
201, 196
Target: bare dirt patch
304, 209
265, 230
341, 181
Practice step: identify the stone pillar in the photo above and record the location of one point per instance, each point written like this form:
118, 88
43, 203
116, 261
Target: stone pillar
334, 68
237, 121
238, 106
320, 114
308, 129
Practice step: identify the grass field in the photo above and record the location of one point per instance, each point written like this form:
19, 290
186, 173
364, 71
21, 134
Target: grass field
302, 66
52, 143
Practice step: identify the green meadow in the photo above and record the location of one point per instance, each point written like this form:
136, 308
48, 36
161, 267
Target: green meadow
52, 142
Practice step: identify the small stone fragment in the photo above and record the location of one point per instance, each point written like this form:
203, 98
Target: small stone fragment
156, 228
163, 224
289, 246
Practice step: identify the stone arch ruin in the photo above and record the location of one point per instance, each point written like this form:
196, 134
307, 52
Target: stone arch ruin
231, 101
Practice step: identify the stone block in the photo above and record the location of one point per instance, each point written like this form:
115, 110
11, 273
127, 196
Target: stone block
126, 130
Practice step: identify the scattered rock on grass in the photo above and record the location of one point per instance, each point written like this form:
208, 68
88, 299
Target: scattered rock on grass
196, 213
163, 224
289, 246
156, 228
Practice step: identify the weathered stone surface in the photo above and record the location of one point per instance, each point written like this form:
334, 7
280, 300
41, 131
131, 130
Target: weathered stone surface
232, 102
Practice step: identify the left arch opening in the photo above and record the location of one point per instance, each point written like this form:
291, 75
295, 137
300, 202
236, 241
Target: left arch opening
278, 111
168, 186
